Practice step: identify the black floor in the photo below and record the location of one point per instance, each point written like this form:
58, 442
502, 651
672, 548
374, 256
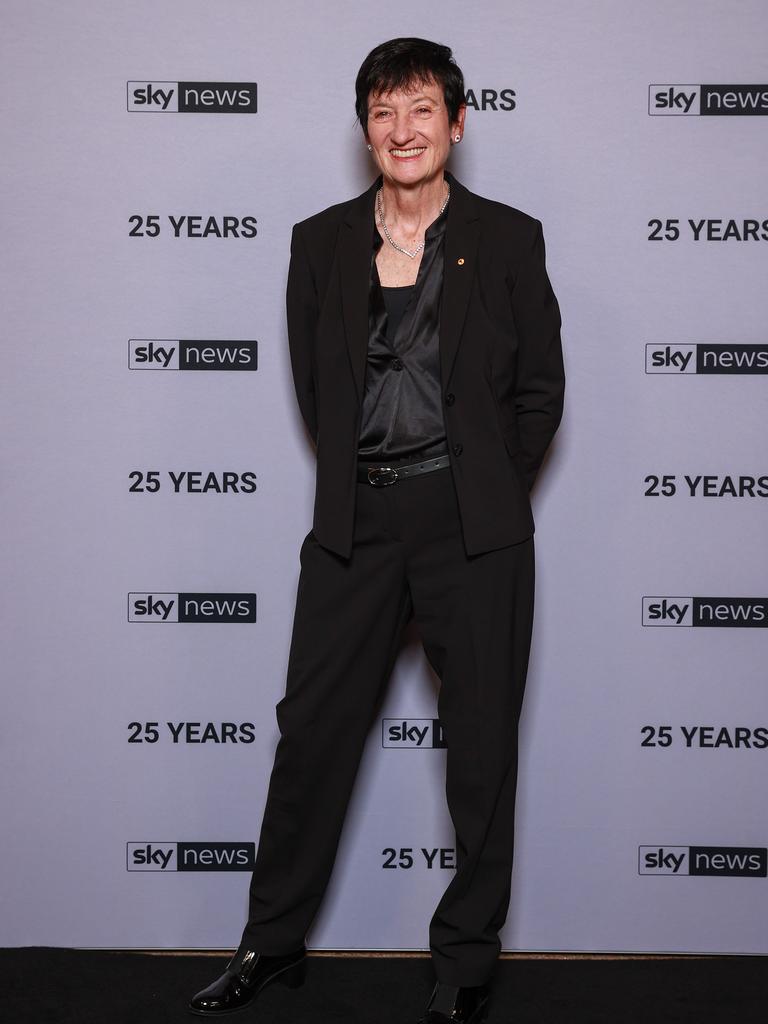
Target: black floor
61, 986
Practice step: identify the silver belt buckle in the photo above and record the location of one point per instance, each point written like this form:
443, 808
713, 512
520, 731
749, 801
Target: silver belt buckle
381, 476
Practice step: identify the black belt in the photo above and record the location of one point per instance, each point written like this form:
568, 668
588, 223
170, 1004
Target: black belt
378, 475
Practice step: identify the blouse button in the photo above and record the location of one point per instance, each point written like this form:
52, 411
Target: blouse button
397, 364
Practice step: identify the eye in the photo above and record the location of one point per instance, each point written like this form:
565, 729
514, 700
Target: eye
424, 110
380, 115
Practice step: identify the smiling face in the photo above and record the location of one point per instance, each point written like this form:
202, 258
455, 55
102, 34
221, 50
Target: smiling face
410, 133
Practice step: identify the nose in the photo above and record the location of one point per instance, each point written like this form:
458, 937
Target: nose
401, 129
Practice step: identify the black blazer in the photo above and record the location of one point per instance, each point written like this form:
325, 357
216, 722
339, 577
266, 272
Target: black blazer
500, 354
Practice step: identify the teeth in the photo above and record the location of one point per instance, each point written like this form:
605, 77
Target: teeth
408, 152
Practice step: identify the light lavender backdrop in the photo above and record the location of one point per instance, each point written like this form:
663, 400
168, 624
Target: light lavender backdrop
580, 152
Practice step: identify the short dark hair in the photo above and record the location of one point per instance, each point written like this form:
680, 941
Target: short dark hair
400, 63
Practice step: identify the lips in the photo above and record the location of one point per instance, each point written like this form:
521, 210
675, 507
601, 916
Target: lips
408, 154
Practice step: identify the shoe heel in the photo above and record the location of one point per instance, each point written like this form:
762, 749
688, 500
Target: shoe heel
294, 976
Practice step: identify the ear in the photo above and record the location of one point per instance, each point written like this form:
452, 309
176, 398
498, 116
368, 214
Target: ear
458, 125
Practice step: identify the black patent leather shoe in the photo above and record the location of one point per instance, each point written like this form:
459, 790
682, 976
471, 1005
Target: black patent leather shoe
246, 974
450, 1004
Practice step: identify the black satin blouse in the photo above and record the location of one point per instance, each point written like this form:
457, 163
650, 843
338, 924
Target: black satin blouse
402, 416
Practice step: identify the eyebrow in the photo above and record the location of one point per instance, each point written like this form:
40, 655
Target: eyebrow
418, 99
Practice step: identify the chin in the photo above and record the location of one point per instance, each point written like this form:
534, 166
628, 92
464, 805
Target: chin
412, 175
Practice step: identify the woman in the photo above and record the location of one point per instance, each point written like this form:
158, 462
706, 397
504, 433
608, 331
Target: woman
425, 347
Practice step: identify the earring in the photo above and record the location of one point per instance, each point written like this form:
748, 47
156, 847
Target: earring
370, 147
457, 138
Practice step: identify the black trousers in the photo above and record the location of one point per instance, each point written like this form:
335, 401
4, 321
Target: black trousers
474, 615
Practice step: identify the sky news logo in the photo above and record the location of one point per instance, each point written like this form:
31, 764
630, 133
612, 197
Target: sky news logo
713, 861
705, 611
190, 856
165, 354
191, 607
711, 100
704, 358
192, 97
411, 732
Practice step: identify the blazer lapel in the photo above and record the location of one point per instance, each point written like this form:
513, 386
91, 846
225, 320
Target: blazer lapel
462, 233
355, 248
459, 267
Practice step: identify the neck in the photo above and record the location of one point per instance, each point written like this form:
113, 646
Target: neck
412, 209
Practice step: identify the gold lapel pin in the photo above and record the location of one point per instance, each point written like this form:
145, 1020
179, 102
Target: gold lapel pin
460, 261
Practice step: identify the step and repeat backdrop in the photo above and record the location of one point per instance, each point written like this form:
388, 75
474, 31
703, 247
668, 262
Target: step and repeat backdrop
158, 481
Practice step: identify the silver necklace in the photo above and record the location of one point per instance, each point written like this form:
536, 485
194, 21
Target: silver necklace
380, 207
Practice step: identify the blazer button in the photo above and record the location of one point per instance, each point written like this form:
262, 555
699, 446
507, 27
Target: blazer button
397, 364
450, 398
458, 449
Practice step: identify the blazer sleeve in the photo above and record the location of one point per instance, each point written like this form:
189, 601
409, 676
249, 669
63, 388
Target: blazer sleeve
540, 383
302, 314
